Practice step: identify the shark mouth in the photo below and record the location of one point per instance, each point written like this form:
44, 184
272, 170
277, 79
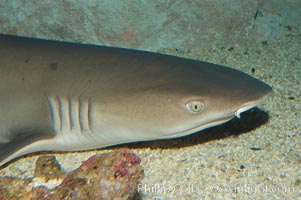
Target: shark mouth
247, 106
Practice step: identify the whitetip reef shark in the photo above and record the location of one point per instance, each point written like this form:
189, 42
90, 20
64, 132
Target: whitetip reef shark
60, 96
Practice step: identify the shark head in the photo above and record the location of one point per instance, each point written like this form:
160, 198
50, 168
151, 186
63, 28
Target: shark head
185, 97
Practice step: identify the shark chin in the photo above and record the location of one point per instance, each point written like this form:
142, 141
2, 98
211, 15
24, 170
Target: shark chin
202, 127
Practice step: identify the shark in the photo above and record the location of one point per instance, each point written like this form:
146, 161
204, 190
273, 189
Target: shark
64, 96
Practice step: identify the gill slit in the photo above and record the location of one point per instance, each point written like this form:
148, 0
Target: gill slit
79, 116
70, 114
89, 114
60, 113
71, 120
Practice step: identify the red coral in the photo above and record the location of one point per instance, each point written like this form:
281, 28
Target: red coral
131, 158
120, 169
120, 165
121, 173
64, 182
86, 164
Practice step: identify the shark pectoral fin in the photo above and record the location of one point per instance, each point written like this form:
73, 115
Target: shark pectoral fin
23, 145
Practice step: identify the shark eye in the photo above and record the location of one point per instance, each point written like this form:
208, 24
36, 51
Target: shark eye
195, 106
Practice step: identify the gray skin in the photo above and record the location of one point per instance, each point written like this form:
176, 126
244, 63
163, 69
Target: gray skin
58, 96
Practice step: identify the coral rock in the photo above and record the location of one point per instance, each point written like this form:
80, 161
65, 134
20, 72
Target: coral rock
114, 175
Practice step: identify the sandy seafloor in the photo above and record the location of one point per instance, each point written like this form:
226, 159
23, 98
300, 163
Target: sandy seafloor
255, 157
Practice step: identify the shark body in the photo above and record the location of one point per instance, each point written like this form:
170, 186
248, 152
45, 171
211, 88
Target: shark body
59, 96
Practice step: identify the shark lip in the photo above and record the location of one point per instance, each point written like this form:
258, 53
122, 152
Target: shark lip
251, 104
245, 107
